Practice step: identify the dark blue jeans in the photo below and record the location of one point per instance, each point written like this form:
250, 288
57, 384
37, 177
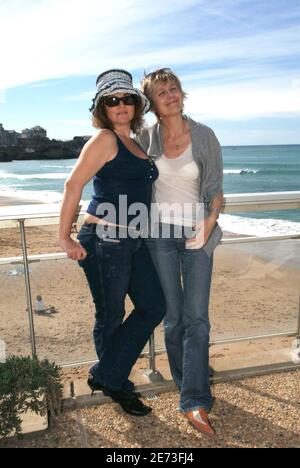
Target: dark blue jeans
114, 268
185, 276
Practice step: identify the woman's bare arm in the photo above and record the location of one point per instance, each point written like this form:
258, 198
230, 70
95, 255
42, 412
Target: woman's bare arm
96, 152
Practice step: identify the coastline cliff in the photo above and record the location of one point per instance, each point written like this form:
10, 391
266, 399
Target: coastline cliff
42, 148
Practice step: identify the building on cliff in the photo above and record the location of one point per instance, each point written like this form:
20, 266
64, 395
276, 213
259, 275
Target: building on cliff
12, 138
34, 132
8, 137
33, 143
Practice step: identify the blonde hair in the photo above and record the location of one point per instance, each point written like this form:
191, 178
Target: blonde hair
162, 75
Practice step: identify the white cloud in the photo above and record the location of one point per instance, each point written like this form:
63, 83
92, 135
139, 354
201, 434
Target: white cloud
239, 74
2, 96
277, 44
296, 83
53, 38
243, 101
256, 137
44, 84
236, 75
84, 96
47, 39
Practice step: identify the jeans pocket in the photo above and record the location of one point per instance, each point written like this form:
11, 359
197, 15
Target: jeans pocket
108, 241
85, 234
111, 243
87, 240
81, 263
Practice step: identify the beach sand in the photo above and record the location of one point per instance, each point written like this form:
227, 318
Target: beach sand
250, 296
9, 200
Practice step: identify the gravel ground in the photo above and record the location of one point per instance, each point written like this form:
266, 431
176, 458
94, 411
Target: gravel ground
251, 413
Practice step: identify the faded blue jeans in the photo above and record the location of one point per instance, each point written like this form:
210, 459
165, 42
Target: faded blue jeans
185, 277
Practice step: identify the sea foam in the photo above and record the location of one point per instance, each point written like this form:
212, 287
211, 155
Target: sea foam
49, 176
258, 227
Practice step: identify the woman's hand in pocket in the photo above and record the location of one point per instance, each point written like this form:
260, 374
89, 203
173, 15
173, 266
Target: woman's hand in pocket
203, 231
73, 249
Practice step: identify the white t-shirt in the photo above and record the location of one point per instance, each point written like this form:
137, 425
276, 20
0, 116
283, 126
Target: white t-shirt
176, 191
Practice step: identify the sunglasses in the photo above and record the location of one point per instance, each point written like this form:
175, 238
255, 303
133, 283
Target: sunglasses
114, 101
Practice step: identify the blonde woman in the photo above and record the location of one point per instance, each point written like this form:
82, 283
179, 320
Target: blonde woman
188, 157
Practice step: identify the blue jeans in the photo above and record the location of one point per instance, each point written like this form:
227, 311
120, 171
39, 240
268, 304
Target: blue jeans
185, 277
113, 269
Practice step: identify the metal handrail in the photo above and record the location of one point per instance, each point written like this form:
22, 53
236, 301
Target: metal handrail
233, 203
233, 240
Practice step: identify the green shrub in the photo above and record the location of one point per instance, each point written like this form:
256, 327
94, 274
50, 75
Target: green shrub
26, 384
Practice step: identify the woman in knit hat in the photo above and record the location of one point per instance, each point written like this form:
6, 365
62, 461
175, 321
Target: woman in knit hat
109, 247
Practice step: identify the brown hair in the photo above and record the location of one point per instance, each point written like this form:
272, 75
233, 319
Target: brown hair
162, 75
100, 119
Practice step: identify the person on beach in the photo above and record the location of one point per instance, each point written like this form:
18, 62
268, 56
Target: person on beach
112, 253
189, 160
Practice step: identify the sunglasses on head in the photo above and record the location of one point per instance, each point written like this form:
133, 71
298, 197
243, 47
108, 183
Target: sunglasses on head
156, 73
114, 101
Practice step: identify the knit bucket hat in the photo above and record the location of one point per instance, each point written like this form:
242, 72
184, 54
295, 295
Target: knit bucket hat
117, 81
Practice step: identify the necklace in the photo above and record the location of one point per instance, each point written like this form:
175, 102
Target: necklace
179, 139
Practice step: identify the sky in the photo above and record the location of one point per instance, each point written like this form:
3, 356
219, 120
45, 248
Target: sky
238, 60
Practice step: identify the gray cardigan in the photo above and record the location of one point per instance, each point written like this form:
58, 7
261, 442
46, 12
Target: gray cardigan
207, 154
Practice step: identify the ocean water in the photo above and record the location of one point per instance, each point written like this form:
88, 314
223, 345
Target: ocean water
247, 169
252, 169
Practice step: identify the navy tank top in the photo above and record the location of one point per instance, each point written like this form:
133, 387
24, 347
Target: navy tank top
126, 174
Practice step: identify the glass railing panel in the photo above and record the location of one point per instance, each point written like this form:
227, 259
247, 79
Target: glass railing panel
14, 323
255, 289
64, 330
255, 292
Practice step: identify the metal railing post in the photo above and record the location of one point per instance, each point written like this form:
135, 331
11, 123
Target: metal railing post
152, 364
27, 284
152, 374
298, 335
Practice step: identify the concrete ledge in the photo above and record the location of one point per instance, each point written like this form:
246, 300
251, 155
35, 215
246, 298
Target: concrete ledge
82, 394
68, 404
243, 373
